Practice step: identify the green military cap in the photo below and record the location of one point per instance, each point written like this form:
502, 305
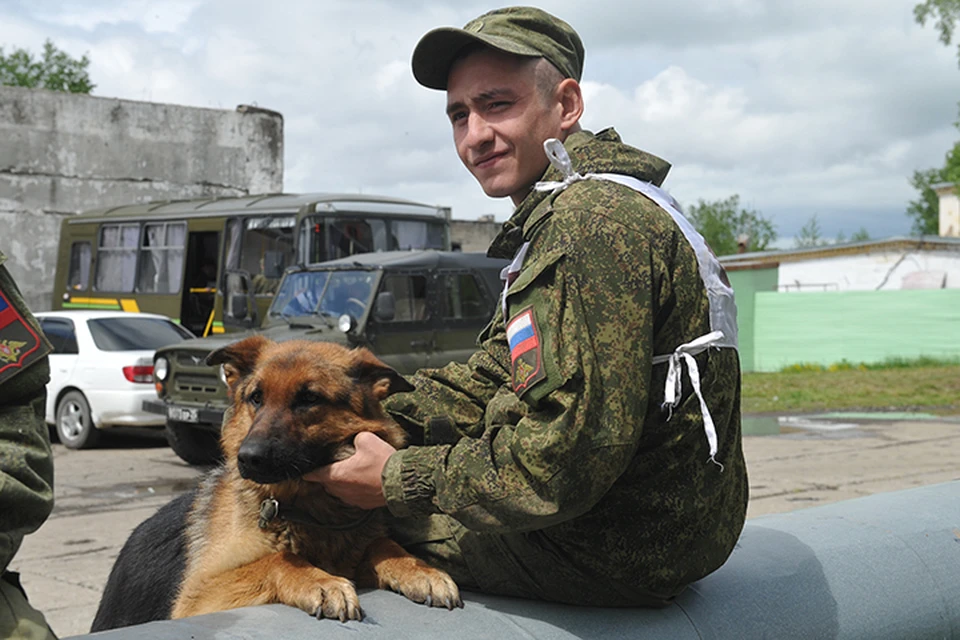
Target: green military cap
522, 31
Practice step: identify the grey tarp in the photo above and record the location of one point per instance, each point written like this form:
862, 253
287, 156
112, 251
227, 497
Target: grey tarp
884, 566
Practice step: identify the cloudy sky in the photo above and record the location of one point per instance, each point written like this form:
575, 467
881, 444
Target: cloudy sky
802, 107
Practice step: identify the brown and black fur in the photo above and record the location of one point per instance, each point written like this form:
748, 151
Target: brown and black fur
295, 406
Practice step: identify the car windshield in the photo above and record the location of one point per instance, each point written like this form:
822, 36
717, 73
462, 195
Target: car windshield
135, 334
329, 293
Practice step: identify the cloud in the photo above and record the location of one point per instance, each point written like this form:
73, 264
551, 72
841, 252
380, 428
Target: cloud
798, 107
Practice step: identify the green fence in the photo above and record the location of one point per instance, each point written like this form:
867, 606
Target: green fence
857, 326
746, 284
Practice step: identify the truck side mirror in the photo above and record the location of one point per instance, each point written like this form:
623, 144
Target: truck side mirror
385, 307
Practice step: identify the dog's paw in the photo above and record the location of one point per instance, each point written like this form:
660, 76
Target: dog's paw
431, 587
332, 597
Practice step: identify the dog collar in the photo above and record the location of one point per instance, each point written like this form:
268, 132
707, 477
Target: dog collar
270, 510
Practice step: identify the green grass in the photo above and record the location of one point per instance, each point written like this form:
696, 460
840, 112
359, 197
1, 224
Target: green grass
928, 385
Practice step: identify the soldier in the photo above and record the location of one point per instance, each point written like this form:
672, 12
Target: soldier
590, 451
26, 462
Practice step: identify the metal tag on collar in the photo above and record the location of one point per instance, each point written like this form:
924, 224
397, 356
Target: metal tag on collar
269, 509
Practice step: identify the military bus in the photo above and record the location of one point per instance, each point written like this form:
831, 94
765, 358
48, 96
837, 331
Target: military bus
213, 264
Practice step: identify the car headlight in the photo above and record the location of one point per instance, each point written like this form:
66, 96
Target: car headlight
346, 323
161, 368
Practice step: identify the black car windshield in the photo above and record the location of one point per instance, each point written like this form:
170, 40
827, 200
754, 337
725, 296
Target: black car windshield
135, 334
330, 293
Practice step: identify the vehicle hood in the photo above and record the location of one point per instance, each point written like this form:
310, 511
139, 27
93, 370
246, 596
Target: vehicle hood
277, 333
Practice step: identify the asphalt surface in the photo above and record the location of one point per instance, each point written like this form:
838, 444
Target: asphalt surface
102, 494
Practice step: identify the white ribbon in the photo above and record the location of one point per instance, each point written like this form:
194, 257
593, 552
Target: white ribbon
674, 385
560, 159
722, 314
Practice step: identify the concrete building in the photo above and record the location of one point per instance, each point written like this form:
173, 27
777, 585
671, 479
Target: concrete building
474, 235
949, 209
63, 153
860, 302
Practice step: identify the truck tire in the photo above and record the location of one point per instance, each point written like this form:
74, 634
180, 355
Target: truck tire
194, 445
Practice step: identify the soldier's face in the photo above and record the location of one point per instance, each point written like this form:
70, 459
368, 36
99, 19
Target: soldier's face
500, 121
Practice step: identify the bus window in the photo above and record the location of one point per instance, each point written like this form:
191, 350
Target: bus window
350, 236
263, 235
78, 279
117, 257
161, 257
416, 234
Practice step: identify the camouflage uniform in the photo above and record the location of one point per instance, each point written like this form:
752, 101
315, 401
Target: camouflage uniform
26, 462
551, 471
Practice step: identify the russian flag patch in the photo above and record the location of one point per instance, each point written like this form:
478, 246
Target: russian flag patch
524, 340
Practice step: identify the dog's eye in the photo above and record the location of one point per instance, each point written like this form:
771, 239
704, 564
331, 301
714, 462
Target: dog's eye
256, 399
306, 398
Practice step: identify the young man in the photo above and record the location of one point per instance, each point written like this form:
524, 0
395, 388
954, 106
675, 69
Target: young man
588, 453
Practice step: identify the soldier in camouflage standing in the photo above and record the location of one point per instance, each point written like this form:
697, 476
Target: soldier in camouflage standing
590, 451
26, 463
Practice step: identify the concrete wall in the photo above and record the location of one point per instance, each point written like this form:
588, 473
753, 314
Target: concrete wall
949, 211
878, 270
746, 284
63, 153
474, 235
858, 326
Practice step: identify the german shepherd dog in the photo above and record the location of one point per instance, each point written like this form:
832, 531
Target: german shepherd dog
254, 532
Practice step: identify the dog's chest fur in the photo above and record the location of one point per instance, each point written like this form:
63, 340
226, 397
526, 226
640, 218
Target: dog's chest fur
232, 504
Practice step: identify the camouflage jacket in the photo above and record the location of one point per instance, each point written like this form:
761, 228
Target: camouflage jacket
563, 434
26, 462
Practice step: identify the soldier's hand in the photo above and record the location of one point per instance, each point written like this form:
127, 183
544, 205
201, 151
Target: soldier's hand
356, 480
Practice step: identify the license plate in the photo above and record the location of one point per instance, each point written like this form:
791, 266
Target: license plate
182, 415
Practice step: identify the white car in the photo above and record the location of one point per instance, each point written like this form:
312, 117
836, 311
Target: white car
101, 370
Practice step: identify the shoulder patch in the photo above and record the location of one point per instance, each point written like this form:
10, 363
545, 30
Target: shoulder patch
525, 351
20, 345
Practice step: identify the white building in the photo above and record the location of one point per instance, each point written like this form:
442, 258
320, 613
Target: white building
927, 262
949, 209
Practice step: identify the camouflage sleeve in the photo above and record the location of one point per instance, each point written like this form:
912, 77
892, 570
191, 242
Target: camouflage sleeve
564, 431
26, 462
450, 402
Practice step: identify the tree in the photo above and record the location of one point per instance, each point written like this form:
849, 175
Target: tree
810, 235
722, 222
946, 13
56, 70
861, 235
925, 211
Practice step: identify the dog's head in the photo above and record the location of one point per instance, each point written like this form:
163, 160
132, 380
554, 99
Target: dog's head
297, 405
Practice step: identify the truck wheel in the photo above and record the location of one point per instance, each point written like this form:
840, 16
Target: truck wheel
193, 445
75, 426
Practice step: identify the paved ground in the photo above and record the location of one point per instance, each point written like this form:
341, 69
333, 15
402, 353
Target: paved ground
103, 494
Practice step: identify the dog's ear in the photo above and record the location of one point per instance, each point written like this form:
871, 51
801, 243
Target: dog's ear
239, 358
384, 381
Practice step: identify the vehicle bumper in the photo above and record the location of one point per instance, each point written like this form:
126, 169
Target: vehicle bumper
121, 408
201, 416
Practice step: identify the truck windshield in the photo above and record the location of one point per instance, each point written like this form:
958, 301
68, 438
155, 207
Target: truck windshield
328, 293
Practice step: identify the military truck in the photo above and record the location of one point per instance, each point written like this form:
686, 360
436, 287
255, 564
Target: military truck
414, 309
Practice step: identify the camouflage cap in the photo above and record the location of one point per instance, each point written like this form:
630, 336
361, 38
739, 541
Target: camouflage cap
522, 31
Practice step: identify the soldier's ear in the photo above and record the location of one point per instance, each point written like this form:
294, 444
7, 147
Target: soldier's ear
383, 380
238, 359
